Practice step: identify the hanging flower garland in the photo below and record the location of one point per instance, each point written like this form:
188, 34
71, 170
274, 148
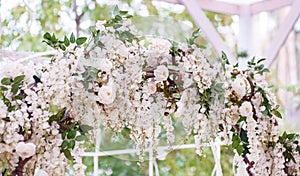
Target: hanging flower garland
144, 86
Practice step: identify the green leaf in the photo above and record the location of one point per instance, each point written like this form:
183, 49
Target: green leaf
72, 38
6, 81
298, 149
196, 33
18, 79
259, 67
15, 88
66, 41
243, 136
68, 154
240, 149
260, 60
57, 116
72, 144
11, 108
64, 144
123, 12
62, 47
81, 40
53, 118
290, 136
47, 36
37, 79
80, 138
3, 88
54, 39
116, 11
284, 134
277, 113
71, 134
224, 57
18, 97
63, 135
236, 141
242, 119
53, 108
1, 96
264, 70
118, 18
85, 128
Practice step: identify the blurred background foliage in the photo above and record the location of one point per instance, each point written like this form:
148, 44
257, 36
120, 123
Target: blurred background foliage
23, 22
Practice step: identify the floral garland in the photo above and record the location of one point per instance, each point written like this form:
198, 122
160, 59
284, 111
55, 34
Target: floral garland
144, 86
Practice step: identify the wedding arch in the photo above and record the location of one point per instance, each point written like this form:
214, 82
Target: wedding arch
143, 85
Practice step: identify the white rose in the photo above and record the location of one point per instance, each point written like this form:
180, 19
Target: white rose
25, 150
239, 85
161, 73
105, 65
246, 109
107, 94
40, 172
152, 87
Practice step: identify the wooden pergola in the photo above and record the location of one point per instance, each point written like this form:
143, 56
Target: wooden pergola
245, 11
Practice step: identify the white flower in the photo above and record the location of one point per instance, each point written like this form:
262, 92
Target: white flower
3, 109
246, 109
161, 73
40, 172
152, 87
240, 86
25, 150
105, 65
100, 25
107, 94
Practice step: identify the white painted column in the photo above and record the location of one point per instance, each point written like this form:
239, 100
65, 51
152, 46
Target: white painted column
194, 9
97, 149
245, 39
151, 173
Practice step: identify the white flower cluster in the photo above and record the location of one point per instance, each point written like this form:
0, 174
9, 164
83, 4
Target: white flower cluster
29, 144
251, 112
146, 86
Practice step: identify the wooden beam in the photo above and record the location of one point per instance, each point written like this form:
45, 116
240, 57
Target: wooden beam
269, 5
213, 6
194, 9
283, 33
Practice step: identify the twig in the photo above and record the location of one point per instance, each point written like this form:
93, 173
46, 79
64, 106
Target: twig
77, 17
19, 169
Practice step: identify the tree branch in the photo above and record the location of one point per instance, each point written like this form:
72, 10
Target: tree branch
19, 169
77, 17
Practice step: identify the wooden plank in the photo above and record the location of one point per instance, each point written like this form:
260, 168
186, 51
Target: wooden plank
283, 33
269, 5
194, 9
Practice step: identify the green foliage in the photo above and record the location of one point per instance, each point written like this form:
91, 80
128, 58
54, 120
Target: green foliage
186, 162
14, 86
53, 42
192, 40
71, 131
240, 141
90, 75
287, 140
